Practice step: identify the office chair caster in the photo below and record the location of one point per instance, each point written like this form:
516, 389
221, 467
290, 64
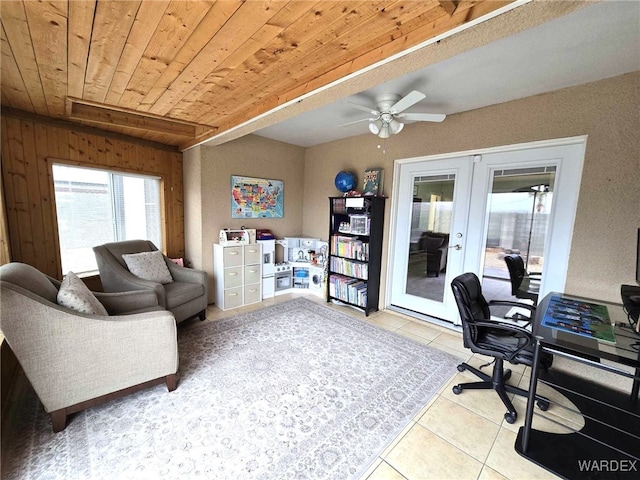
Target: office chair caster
543, 405
461, 367
457, 389
511, 417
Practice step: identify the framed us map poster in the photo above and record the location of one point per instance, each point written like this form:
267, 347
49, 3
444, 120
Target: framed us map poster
256, 197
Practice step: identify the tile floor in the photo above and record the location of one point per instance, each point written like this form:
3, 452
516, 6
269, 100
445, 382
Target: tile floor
453, 436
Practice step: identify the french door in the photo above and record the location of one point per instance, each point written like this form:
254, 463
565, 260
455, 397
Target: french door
431, 223
458, 213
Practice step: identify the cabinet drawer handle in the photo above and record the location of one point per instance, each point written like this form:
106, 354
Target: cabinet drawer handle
253, 290
233, 274
233, 294
234, 253
253, 271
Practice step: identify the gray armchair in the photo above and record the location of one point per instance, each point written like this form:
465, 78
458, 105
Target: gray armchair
185, 297
74, 360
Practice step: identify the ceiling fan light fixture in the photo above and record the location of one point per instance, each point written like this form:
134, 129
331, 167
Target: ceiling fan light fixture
390, 108
396, 126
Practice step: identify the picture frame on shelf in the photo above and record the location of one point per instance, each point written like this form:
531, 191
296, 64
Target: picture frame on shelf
373, 178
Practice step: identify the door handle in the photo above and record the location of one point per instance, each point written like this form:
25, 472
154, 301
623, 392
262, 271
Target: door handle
457, 246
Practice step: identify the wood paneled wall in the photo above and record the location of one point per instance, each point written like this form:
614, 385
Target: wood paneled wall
29, 143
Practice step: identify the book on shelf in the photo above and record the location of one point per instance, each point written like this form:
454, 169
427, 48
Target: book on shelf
373, 178
348, 289
349, 267
349, 247
580, 318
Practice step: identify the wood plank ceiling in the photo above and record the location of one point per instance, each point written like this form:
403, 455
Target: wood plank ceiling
178, 72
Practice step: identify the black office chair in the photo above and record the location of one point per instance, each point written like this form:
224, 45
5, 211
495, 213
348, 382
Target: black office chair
524, 285
494, 338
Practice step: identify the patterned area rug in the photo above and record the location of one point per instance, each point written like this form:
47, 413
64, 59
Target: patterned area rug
296, 390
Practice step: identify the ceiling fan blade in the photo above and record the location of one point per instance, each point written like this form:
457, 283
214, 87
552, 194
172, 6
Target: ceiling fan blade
357, 121
370, 110
410, 99
424, 117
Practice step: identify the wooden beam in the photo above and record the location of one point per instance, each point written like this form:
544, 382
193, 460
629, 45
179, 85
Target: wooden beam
449, 5
115, 116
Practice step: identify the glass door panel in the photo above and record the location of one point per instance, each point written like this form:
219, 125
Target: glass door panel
430, 226
518, 209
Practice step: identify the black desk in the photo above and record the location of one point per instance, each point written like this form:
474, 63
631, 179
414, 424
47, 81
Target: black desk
608, 445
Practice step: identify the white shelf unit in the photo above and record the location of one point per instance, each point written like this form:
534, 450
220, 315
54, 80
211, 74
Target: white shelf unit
237, 275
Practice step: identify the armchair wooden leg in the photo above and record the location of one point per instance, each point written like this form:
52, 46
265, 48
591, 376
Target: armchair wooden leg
202, 315
59, 420
172, 382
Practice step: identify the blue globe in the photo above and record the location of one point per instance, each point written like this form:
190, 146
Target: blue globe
345, 181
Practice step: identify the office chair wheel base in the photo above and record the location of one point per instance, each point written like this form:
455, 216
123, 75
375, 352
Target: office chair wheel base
457, 389
511, 417
461, 368
543, 405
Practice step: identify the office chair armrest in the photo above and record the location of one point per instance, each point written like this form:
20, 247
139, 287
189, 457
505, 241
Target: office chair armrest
534, 275
526, 306
531, 308
506, 326
516, 330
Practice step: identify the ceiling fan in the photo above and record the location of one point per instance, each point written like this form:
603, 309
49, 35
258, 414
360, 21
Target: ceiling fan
386, 118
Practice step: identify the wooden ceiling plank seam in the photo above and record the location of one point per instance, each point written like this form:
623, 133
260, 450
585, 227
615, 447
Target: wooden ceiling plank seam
307, 35
441, 25
303, 34
274, 84
148, 17
79, 29
180, 21
363, 39
13, 86
248, 19
396, 40
48, 28
14, 20
165, 46
213, 21
269, 81
303, 30
256, 42
351, 66
429, 25
112, 25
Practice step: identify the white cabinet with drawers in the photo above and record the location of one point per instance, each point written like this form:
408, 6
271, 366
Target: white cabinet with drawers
237, 275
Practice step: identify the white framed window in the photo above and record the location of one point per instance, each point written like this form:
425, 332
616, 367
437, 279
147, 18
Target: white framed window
100, 206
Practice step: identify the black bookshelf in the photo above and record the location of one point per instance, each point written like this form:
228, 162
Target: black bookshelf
355, 251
